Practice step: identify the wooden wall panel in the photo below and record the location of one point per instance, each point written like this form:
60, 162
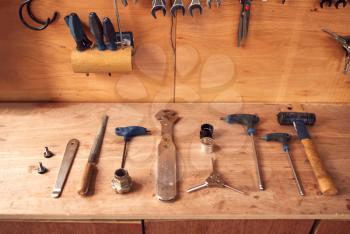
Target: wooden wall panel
36, 65
76, 227
333, 226
285, 58
229, 226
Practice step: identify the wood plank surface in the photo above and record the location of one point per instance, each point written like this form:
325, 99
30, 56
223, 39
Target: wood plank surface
76, 227
286, 57
229, 226
333, 226
36, 65
27, 128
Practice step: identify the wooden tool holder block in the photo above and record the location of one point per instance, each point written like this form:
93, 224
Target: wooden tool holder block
107, 61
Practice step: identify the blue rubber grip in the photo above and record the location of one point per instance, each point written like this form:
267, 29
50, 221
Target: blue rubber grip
97, 30
131, 131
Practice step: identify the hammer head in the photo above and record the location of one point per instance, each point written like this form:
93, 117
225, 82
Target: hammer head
287, 118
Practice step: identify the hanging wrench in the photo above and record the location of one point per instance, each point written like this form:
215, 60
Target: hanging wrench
218, 3
158, 5
195, 4
178, 5
338, 2
124, 2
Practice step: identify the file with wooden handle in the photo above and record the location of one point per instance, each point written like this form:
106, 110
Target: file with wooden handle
90, 167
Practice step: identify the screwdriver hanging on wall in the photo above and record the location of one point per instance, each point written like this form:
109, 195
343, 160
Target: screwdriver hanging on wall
76, 29
43, 24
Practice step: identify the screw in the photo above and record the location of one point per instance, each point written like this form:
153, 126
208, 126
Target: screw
42, 169
48, 153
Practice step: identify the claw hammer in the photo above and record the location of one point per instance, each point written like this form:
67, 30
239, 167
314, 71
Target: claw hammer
300, 120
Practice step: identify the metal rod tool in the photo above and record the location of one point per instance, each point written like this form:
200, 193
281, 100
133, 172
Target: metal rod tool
90, 167
284, 138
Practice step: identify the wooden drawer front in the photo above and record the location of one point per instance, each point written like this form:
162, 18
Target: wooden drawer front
229, 226
67, 227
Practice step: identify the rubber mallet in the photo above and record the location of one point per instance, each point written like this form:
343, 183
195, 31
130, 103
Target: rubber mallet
300, 120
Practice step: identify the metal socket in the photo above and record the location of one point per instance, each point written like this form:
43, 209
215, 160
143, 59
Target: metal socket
121, 182
207, 145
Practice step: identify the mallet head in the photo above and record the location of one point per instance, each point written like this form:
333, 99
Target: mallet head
287, 118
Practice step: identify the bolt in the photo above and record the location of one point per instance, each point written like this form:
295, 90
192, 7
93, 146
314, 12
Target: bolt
48, 153
42, 169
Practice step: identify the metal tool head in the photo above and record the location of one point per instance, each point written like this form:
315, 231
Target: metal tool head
195, 4
325, 1
178, 5
209, 3
288, 118
167, 116
207, 130
125, 2
338, 2
158, 5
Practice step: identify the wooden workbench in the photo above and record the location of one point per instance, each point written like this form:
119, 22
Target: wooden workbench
27, 206
27, 128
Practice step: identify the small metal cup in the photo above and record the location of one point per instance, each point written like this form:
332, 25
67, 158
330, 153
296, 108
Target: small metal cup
121, 182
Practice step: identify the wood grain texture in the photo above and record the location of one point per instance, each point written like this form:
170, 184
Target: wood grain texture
325, 181
229, 226
36, 65
76, 227
286, 57
27, 128
333, 226
95, 61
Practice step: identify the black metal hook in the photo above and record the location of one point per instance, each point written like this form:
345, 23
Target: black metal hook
44, 24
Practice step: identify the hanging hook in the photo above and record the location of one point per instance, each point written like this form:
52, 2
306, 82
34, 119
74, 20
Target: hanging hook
44, 24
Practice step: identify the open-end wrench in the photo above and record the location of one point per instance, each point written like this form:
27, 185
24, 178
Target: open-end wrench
178, 5
195, 4
124, 2
324, 1
218, 3
158, 5
338, 2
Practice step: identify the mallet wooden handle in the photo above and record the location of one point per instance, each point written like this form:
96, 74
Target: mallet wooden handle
86, 179
324, 180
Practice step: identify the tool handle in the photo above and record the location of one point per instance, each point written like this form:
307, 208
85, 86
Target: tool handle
86, 179
324, 180
97, 30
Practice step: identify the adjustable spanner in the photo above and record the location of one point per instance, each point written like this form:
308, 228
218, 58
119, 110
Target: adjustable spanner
166, 163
